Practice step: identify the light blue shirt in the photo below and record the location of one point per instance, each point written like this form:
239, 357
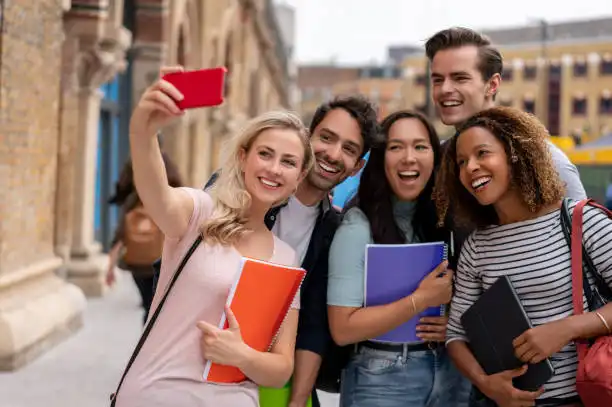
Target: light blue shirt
345, 287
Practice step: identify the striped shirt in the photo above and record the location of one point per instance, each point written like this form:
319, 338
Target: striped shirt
536, 257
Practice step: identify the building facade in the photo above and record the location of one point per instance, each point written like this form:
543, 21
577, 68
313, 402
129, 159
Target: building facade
315, 83
70, 74
561, 72
320, 83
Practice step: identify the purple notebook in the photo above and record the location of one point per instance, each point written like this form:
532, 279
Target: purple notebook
394, 271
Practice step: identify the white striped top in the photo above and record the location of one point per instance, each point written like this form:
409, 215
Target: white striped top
536, 257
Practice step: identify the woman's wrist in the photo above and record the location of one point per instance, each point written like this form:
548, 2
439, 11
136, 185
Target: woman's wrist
245, 356
585, 326
417, 302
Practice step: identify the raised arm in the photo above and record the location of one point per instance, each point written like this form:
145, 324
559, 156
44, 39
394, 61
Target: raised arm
169, 207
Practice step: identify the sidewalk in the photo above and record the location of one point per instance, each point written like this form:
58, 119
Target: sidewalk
83, 370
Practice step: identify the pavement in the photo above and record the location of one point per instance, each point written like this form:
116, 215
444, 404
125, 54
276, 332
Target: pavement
85, 368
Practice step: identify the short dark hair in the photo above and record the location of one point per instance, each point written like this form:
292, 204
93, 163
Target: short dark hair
360, 108
491, 61
375, 196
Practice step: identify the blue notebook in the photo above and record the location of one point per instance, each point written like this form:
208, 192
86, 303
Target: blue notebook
393, 272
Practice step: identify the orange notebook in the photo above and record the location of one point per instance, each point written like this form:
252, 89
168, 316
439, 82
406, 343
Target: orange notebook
260, 299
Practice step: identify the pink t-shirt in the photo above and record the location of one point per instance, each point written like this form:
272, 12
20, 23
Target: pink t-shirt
168, 370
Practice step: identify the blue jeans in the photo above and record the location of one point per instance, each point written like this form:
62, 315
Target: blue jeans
376, 378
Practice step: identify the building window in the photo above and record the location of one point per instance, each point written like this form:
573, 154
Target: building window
606, 67
507, 74
529, 106
555, 70
579, 106
530, 72
373, 72
580, 69
605, 105
420, 80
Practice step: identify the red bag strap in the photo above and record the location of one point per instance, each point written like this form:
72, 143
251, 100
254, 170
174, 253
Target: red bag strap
576, 256
576, 260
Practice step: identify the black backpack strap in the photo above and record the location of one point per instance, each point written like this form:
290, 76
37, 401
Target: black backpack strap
149, 326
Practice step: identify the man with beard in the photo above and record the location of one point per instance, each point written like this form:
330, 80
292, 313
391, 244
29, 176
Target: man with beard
341, 134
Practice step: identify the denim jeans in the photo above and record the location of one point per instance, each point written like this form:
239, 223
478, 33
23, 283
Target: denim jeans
376, 378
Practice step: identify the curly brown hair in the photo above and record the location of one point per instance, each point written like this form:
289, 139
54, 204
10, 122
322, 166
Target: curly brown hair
531, 167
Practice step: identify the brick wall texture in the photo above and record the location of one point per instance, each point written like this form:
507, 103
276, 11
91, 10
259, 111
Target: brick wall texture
30, 67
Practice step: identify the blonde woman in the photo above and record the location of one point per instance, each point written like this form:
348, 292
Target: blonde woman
264, 164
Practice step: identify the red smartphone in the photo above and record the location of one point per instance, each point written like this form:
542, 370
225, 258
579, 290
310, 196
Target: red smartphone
200, 88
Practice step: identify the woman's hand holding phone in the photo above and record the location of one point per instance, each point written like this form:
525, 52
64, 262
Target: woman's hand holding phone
157, 106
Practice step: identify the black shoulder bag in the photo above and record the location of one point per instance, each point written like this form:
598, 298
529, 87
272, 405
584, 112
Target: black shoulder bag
149, 326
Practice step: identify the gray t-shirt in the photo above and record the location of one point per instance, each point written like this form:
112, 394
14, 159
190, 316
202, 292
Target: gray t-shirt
568, 173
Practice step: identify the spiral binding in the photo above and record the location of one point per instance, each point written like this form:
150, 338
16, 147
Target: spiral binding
444, 257
275, 337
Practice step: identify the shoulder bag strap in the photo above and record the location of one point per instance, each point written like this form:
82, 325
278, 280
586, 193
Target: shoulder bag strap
578, 279
153, 318
566, 226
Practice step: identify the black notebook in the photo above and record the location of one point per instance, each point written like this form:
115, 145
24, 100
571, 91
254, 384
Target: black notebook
491, 324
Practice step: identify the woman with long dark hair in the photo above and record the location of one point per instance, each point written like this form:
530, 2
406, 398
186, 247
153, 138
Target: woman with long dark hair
393, 206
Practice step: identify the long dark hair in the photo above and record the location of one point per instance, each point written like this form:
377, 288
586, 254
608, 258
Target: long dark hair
375, 196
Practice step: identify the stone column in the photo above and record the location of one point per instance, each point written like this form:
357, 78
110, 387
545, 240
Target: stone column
101, 56
87, 265
66, 150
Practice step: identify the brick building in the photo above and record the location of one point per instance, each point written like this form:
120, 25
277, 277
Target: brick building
70, 73
319, 83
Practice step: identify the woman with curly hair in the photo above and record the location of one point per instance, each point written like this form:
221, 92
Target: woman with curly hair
501, 179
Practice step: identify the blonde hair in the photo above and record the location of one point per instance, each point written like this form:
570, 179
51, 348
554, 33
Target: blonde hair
230, 197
